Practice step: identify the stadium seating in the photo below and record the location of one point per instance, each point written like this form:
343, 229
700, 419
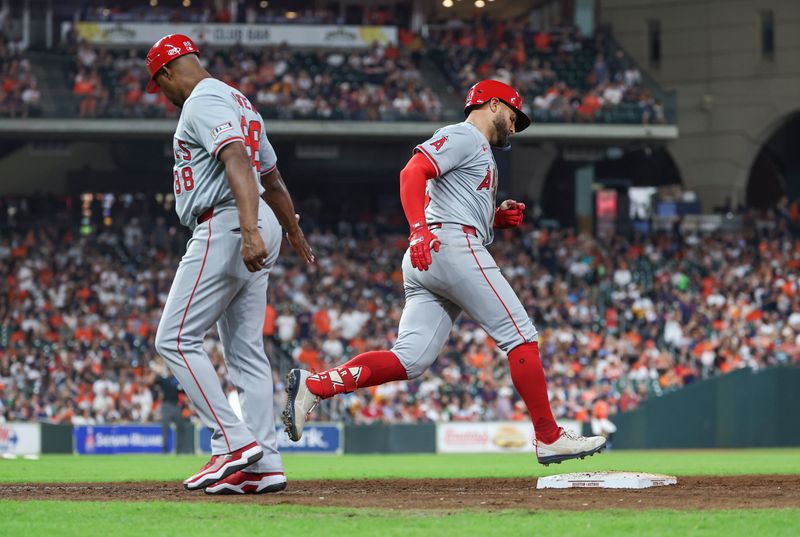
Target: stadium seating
375, 84
618, 321
19, 90
562, 76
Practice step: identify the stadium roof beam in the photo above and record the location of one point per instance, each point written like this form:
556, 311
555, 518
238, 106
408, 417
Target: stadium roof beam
77, 129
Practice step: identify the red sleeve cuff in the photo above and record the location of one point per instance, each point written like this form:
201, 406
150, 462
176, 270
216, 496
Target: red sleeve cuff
430, 158
225, 142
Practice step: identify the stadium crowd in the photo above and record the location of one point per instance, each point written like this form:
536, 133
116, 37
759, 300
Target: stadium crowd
618, 321
563, 76
379, 83
19, 91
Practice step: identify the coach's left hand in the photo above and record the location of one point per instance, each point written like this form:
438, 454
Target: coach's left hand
297, 239
509, 214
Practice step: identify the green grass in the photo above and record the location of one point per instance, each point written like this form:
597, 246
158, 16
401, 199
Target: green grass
72, 468
173, 519
56, 518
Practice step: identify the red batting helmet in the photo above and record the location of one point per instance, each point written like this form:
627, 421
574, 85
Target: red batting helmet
485, 90
165, 50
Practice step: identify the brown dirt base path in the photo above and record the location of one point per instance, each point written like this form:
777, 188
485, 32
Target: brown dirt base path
691, 493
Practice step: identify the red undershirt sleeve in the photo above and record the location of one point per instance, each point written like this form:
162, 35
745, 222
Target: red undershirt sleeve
413, 180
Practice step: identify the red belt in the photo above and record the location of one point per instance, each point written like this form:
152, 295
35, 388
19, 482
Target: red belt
205, 216
467, 229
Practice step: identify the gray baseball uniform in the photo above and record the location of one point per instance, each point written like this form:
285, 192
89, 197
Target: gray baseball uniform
212, 284
463, 275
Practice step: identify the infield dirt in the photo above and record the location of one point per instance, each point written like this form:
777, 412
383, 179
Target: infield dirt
691, 493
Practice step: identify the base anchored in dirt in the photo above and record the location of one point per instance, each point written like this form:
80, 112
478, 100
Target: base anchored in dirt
605, 480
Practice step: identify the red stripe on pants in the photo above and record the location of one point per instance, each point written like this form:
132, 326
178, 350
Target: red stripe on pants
180, 330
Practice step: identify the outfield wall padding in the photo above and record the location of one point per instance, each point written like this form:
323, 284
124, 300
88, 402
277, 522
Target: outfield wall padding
56, 438
736, 410
379, 438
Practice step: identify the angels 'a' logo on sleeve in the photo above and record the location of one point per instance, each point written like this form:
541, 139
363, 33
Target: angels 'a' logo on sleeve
437, 144
219, 129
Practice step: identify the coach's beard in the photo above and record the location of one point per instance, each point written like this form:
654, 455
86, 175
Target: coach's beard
501, 132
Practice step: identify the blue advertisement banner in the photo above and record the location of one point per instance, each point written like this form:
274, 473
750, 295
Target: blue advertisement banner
120, 439
317, 438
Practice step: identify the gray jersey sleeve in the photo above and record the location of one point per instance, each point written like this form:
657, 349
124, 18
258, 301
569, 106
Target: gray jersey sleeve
448, 148
214, 122
266, 154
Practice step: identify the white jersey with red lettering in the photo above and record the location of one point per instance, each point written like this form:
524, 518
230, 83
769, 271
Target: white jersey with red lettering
465, 190
214, 115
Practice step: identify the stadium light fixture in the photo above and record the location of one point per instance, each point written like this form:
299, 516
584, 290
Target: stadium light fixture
153, 3
479, 3
187, 3
447, 3
263, 4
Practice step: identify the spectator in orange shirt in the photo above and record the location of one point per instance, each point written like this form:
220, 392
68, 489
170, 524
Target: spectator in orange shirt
86, 90
601, 425
269, 321
589, 106
476, 358
322, 322
542, 41
309, 356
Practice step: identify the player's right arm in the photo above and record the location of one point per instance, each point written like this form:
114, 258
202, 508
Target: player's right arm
413, 183
447, 149
239, 172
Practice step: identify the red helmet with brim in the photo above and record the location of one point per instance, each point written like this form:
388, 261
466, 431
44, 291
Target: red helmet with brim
166, 49
486, 90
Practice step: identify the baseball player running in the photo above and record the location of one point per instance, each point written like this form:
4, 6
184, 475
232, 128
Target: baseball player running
220, 148
448, 191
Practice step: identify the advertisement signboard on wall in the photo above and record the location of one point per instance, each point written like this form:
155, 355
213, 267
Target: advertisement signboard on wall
120, 439
297, 35
489, 437
317, 438
20, 438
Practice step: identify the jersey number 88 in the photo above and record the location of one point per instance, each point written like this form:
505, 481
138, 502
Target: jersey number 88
188, 180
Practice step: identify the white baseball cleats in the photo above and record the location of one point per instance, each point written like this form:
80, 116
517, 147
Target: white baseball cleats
568, 446
299, 403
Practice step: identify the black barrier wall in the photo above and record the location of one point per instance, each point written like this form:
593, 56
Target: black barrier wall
380, 438
56, 438
740, 409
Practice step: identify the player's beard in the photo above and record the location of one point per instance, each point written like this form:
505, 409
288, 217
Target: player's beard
501, 132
